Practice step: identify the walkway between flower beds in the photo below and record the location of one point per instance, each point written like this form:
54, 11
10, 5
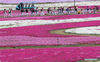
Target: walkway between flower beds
58, 17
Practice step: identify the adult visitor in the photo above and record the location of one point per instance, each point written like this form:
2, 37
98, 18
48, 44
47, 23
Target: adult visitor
22, 10
26, 12
5, 13
10, 12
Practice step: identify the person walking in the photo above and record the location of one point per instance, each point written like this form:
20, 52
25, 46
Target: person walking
42, 11
10, 12
26, 12
87, 10
62, 10
70, 10
97, 9
5, 13
22, 10
36, 11
32, 12
54, 11
67, 10
59, 10
75, 10
49, 11
90, 11
94, 10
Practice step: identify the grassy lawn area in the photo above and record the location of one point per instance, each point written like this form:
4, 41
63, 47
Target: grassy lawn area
62, 32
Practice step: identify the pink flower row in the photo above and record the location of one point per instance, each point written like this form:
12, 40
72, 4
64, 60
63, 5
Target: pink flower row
66, 54
44, 30
40, 35
14, 41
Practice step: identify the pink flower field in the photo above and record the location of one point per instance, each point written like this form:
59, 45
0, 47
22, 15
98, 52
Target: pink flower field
66, 54
40, 35
43, 30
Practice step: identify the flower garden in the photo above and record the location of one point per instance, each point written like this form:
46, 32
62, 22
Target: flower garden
44, 31
66, 54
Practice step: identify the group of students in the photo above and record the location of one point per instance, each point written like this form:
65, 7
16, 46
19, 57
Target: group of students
87, 10
42, 11
55, 11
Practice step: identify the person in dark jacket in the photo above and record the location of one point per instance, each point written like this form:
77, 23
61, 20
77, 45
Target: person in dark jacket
26, 12
59, 10
5, 13
75, 10
62, 10
67, 10
22, 10
48, 10
96, 8
87, 10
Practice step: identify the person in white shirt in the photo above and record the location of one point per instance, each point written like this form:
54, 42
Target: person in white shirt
54, 12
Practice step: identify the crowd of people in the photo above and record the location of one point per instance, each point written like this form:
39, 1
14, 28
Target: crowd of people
54, 11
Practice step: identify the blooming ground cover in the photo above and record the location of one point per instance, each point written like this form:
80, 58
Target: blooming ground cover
66, 54
13, 41
32, 35
37, 35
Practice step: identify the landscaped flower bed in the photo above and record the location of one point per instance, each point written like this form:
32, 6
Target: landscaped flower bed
40, 34
67, 54
13, 41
